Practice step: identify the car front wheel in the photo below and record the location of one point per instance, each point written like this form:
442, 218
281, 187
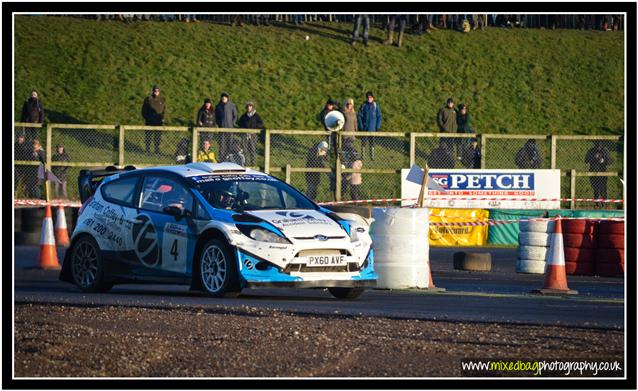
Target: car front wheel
346, 293
218, 270
87, 266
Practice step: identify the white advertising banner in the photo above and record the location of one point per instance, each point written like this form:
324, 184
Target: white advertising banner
507, 189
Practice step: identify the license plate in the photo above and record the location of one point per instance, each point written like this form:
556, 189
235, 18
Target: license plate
326, 260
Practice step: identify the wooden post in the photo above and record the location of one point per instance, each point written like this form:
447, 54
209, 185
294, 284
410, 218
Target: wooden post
267, 151
120, 146
412, 148
572, 189
337, 168
288, 173
483, 149
194, 148
47, 166
553, 152
424, 186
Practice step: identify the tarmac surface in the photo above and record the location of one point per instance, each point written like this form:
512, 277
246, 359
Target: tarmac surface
499, 296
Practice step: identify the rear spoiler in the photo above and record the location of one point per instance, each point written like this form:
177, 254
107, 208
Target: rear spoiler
89, 180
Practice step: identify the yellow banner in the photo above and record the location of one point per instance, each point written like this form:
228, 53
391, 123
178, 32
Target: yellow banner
458, 235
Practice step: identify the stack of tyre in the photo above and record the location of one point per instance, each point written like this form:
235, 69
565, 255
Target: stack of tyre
610, 255
579, 240
533, 243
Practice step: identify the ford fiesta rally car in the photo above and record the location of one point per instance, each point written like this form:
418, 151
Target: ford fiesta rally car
219, 227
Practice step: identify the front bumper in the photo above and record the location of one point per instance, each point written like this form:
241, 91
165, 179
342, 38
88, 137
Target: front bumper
314, 284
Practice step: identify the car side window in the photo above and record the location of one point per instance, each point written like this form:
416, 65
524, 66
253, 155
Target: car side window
120, 191
159, 192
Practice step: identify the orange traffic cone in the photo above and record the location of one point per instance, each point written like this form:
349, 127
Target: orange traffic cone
48, 254
555, 275
61, 233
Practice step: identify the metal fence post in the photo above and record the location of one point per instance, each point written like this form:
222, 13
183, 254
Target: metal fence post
288, 173
483, 149
195, 143
338, 168
47, 166
267, 151
412, 148
120, 160
572, 189
553, 152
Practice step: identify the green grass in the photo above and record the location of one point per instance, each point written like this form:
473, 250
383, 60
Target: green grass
515, 81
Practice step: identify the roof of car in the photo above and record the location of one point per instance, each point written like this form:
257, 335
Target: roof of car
197, 169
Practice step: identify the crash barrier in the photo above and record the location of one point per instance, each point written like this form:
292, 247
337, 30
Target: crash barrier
610, 254
285, 154
378, 200
401, 255
580, 244
555, 275
28, 219
533, 240
447, 235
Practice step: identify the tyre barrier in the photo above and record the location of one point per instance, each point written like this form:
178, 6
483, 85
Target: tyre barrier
610, 255
530, 266
579, 261
31, 219
28, 226
579, 268
543, 226
583, 227
533, 239
605, 269
579, 240
611, 241
535, 253
479, 262
611, 227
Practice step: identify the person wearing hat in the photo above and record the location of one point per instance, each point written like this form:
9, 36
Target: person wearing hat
446, 120
32, 112
317, 158
206, 115
225, 117
61, 172
331, 105
369, 120
153, 111
250, 120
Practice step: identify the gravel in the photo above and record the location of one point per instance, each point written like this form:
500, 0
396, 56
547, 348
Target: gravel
72, 341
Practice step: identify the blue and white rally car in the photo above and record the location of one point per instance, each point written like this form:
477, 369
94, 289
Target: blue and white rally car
219, 227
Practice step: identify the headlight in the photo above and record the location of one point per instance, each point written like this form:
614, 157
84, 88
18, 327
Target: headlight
263, 235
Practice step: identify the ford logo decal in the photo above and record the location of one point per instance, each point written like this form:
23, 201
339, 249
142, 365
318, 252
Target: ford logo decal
321, 238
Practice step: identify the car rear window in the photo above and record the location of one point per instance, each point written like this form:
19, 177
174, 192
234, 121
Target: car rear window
120, 191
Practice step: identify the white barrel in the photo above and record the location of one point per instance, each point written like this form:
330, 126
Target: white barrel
401, 248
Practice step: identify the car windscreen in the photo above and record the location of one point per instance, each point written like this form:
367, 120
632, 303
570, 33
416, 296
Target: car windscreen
249, 192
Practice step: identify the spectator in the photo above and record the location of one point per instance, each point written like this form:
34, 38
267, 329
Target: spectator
236, 154
206, 155
369, 120
425, 24
182, 153
598, 159
206, 115
446, 120
250, 120
350, 116
441, 156
33, 113
61, 172
357, 26
479, 21
402, 21
472, 155
331, 105
34, 183
22, 151
317, 158
463, 126
153, 111
225, 117
529, 156
351, 159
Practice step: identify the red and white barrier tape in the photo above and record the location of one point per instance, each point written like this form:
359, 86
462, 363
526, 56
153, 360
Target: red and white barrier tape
502, 222
34, 202
473, 199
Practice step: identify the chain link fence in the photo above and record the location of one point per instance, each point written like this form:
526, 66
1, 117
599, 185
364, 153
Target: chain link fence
344, 166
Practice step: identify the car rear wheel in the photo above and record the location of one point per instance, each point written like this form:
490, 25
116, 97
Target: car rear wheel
346, 293
218, 270
87, 266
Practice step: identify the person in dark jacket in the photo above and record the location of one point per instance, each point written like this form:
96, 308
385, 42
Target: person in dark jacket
182, 153
250, 120
317, 158
472, 155
529, 156
331, 105
22, 151
598, 159
206, 115
369, 120
225, 117
32, 112
463, 126
446, 121
350, 116
61, 172
34, 184
153, 111
441, 156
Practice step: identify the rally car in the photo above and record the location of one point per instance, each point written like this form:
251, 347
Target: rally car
217, 226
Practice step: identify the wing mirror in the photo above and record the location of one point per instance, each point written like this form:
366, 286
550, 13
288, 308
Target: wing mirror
177, 210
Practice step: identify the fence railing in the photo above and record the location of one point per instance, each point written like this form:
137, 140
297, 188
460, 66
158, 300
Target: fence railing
291, 156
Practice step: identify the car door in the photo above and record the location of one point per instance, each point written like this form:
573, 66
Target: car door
165, 242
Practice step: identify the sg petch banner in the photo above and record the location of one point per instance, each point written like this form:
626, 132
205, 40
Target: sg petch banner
521, 188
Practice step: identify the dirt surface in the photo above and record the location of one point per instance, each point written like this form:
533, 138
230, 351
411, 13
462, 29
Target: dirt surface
63, 341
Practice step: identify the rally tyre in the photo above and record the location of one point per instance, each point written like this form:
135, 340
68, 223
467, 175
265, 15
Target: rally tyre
579, 241
530, 266
535, 253
541, 226
218, 270
611, 241
583, 227
579, 268
581, 255
87, 266
533, 239
610, 255
480, 262
346, 293
608, 227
